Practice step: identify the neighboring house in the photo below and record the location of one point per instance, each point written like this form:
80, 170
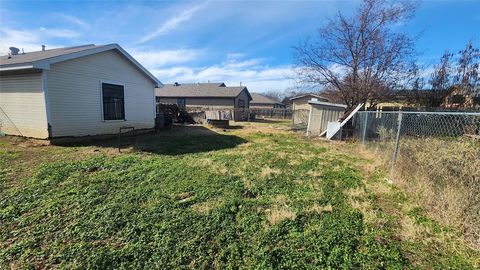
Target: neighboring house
205, 96
458, 99
262, 102
301, 102
75, 91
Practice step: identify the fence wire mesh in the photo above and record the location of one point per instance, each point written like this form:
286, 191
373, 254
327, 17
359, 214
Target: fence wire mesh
390, 131
372, 125
435, 155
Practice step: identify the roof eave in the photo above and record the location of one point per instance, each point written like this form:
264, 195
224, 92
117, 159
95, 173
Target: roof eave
248, 93
45, 63
316, 102
17, 67
186, 96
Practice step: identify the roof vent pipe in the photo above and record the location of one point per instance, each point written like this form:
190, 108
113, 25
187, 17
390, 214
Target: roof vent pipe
240, 83
14, 51
43, 47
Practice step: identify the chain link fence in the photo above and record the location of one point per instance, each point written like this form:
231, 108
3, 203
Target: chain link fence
435, 155
387, 130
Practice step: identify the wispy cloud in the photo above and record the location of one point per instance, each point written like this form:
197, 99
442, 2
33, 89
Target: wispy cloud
251, 72
172, 23
57, 33
31, 40
73, 20
159, 58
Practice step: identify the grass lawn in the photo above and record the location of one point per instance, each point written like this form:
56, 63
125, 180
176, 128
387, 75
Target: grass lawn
257, 197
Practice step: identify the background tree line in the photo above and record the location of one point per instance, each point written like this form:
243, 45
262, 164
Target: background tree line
364, 59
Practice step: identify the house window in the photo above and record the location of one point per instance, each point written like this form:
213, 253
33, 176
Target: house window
113, 101
181, 103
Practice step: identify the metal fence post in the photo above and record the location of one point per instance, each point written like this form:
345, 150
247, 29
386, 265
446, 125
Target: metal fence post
364, 131
397, 141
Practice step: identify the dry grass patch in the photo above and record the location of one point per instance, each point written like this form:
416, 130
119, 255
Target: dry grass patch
247, 184
444, 174
299, 182
206, 162
410, 230
214, 166
280, 213
294, 162
320, 208
357, 199
267, 172
205, 207
314, 173
355, 192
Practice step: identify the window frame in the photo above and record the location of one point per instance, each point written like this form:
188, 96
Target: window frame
102, 115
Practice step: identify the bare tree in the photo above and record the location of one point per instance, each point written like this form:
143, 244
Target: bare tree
441, 78
360, 57
441, 81
468, 77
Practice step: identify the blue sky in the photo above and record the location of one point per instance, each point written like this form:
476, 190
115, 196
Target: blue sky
230, 41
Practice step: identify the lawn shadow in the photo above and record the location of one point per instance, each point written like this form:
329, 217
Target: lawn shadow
179, 140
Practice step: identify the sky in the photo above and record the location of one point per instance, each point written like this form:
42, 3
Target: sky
248, 42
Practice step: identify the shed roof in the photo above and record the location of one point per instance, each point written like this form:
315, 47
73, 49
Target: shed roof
310, 95
337, 105
43, 59
258, 98
200, 90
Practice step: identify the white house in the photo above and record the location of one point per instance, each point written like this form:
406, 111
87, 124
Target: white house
75, 91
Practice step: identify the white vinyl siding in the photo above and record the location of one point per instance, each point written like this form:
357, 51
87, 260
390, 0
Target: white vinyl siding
22, 105
75, 96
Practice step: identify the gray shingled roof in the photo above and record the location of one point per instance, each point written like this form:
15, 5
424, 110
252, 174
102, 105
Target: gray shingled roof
30, 57
43, 59
258, 98
210, 90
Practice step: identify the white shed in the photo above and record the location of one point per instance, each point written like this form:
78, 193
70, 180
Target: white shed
75, 91
321, 113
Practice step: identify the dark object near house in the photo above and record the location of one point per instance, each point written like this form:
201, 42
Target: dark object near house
166, 113
162, 121
219, 123
169, 111
185, 117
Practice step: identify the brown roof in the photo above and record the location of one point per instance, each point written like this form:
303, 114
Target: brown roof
208, 90
258, 98
31, 57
